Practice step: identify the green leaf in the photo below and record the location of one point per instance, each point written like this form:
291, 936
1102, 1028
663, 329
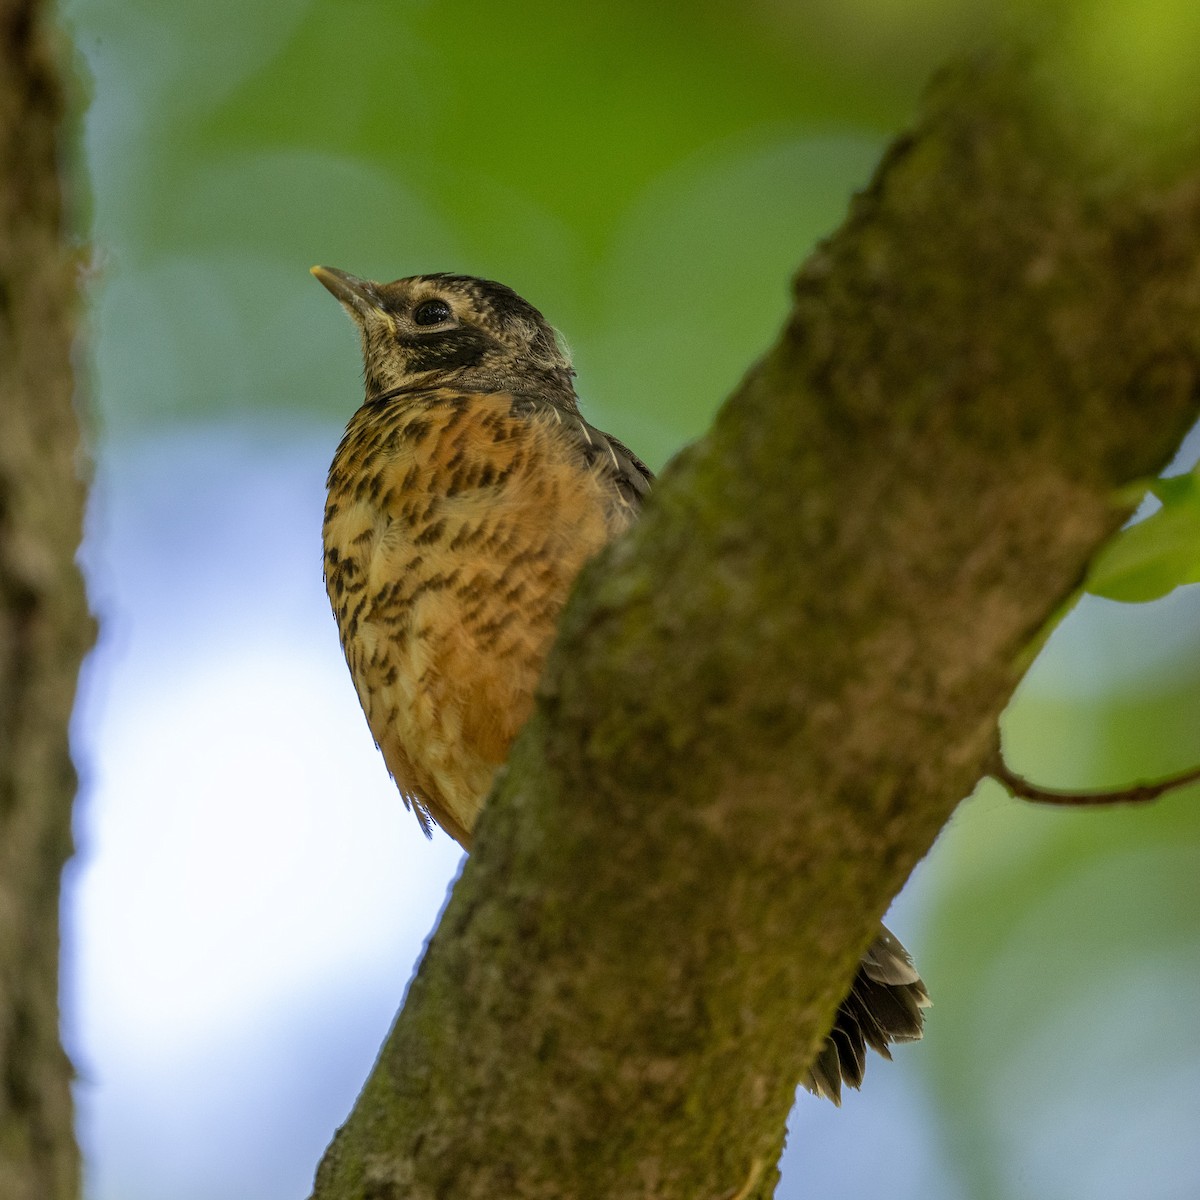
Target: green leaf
1157, 555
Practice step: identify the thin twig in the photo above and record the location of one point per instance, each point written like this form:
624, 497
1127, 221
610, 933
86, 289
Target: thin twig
1138, 793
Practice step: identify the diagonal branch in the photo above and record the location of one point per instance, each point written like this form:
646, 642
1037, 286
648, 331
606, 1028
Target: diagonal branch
767, 700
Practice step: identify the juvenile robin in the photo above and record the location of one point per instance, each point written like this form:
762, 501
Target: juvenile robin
464, 498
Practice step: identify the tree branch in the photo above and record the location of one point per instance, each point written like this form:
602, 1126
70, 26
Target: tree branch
45, 629
766, 700
1135, 793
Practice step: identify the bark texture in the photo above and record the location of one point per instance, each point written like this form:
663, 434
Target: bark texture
44, 625
766, 701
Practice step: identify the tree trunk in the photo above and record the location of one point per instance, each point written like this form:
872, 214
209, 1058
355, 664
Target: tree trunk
44, 625
765, 702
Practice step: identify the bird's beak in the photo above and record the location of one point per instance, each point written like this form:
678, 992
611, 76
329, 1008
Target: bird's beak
360, 297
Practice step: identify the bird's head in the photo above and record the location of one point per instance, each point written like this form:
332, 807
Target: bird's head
451, 330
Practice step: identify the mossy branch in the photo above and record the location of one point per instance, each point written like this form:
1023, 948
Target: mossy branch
767, 700
45, 629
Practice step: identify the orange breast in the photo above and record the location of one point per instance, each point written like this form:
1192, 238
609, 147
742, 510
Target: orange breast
454, 532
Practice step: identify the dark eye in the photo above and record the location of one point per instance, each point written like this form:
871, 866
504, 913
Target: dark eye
431, 312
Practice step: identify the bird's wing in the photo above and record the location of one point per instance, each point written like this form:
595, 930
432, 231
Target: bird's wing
600, 451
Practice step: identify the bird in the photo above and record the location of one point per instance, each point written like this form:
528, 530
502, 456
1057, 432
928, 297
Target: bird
465, 496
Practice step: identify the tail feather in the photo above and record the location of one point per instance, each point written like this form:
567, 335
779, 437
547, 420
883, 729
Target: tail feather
886, 1004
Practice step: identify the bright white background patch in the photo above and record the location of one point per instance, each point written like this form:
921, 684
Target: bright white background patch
250, 895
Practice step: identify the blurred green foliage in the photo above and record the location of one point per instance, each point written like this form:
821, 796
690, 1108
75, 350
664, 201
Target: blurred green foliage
1065, 951
650, 176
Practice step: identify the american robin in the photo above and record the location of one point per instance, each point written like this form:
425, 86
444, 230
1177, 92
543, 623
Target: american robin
464, 498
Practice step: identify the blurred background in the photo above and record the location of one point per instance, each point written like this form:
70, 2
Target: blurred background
249, 897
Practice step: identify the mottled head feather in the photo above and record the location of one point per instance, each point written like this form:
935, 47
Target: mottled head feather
488, 339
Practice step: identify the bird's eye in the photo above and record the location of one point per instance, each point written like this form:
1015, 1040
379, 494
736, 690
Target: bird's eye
431, 312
